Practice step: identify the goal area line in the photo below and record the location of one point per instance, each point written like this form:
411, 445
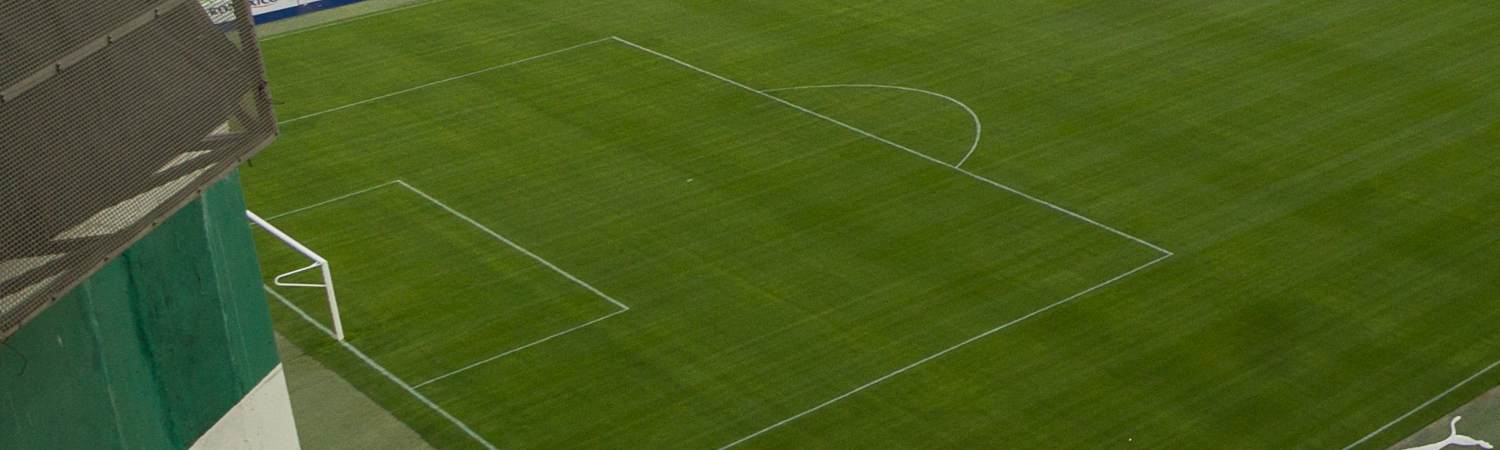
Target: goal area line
619, 306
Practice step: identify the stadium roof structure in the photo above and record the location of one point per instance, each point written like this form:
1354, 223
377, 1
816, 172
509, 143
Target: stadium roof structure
112, 116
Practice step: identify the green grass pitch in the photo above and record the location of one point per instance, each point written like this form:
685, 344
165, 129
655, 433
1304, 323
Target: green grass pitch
986, 224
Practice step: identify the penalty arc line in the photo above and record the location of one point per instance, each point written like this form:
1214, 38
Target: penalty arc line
937, 355
875, 137
387, 373
978, 125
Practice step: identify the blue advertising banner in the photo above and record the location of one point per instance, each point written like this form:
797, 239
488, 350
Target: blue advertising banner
269, 10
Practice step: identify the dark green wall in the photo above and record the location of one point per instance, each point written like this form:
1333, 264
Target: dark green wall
151, 350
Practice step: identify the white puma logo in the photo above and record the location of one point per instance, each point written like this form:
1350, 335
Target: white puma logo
1455, 439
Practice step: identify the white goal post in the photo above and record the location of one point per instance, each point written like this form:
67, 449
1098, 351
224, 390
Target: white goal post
318, 263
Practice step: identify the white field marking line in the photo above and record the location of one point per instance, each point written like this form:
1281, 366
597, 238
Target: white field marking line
622, 307
1424, 405
331, 200
388, 375
1165, 254
978, 125
512, 244
937, 355
517, 349
445, 80
870, 135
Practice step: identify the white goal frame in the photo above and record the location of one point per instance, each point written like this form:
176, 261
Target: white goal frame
318, 263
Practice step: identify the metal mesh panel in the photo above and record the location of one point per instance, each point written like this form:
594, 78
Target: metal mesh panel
112, 116
69, 24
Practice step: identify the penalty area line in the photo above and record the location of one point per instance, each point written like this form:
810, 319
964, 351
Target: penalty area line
442, 81
945, 351
331, 200
873, 136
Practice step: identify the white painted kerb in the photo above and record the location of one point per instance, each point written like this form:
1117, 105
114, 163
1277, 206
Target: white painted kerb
261, 421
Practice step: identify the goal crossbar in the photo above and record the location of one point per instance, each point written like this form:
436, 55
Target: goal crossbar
318, 262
